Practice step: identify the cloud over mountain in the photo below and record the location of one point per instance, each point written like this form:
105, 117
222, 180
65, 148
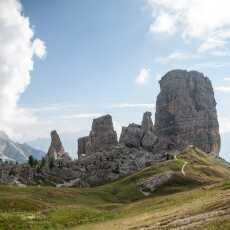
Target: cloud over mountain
17, 50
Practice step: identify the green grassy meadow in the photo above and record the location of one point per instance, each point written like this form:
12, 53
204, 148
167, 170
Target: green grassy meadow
200, 199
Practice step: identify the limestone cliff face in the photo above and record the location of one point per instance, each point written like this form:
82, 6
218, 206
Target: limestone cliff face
186, 112
102, 137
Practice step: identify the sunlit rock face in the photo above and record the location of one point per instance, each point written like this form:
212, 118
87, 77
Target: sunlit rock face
56, 150
186, 112
102, 137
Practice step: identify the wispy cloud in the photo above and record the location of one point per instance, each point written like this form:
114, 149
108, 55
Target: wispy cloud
212, 44
224, 124
176, 56
80, 116
210, 65
130, 105
206, 21
227, 79
223, 89
54, 108
143, 76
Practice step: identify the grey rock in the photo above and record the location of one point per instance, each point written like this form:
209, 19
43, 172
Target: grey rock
149, 140
56, 150
131, 136
84, 146
102, 136
186, 113
185, 116
153, 183
111, 164
147, 123
140, 135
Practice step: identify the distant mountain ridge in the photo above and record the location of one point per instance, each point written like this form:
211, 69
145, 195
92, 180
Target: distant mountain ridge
16, 152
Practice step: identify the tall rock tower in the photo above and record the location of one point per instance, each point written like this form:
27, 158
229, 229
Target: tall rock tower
102, 137
186, 112
56, 150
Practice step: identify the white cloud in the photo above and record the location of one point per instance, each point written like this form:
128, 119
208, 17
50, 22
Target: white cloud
227, 79
176, 56
164, 23
143, 76
39, 48
224, 125
17, 50
211, 44
130, 105
81, 115
54, 108
208, 21
223, 89
210, 65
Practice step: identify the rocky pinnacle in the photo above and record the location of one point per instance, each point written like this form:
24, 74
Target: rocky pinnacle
186, 112
56, 149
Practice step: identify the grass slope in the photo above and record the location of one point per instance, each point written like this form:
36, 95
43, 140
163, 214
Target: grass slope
200, 197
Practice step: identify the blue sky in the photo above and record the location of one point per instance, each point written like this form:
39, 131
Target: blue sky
107, 57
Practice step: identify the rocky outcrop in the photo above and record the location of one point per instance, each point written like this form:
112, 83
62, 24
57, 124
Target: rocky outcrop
155, 182
131, 136
56, 150
109, 165
102, 137
185, 116
137, 136
147, 123
186, 113
91, 170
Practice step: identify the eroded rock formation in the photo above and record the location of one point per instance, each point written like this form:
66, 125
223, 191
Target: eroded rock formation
185, 115
131, 136
151, 184
186, 112
102, 137
56, 150
137, 136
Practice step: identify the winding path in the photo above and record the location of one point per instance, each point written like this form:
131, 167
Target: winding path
182, 170
183, 166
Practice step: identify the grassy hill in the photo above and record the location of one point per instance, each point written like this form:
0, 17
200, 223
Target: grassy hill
197, 197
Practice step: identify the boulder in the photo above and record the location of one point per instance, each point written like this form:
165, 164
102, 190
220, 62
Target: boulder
155, 182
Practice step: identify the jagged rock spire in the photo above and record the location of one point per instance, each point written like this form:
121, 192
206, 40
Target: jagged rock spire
56, 149
139, 135
102, 136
